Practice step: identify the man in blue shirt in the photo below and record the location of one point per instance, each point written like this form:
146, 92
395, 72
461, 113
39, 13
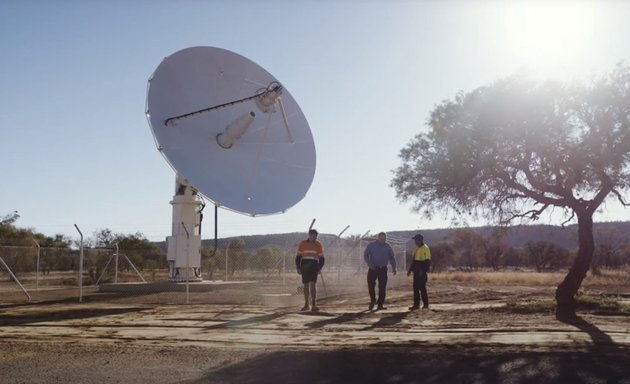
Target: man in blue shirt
376, 255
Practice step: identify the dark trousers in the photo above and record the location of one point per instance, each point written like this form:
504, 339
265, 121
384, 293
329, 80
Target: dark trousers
380, 274
420, 288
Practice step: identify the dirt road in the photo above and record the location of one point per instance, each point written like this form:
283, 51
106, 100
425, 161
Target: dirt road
468, 336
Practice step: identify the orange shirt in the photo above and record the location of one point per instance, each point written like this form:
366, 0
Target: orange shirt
310, 250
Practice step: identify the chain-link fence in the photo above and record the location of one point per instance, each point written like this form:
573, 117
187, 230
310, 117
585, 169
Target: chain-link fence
242, 268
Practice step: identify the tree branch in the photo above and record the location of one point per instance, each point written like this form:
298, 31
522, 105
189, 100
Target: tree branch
532, 214
539, 197
607, 187
568, 220
620, 198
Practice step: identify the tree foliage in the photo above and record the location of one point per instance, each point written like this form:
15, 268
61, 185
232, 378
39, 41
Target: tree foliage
546, 256
502, 147
471, 248
442, 256
9, 219
11, 234
140, 251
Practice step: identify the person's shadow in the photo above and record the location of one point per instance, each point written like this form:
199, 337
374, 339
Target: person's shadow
389, 320
343, 318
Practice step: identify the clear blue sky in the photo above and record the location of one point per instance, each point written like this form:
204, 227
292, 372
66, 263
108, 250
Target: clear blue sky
76, 146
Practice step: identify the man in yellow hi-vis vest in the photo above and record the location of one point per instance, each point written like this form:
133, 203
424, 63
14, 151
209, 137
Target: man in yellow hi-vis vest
420, 267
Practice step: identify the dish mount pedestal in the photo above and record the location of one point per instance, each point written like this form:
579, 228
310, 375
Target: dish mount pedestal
184, 245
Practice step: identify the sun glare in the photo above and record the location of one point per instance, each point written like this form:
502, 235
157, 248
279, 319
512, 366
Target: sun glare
551, 38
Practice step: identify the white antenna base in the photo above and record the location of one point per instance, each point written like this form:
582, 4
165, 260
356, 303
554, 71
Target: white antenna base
184, 245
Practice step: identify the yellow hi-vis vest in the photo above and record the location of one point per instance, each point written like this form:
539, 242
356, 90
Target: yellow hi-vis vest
422, 253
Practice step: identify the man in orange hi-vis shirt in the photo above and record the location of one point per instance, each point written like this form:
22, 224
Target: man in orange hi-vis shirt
309, 261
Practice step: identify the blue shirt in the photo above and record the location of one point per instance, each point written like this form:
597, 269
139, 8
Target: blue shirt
377, 255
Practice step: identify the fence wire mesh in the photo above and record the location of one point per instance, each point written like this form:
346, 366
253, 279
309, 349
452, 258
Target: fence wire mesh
241, 270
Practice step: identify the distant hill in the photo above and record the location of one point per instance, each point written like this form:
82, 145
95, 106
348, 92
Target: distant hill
517, 236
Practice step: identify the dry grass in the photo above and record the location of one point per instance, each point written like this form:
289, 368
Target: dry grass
591, 298
501, 277
608, 278
613, 277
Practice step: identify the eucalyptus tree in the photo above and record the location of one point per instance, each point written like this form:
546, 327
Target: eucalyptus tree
518, 148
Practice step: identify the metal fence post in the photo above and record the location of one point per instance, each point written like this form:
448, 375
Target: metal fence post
227, 257
37, 267
80, 265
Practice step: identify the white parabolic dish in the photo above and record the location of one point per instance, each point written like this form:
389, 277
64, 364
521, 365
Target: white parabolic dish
268, 169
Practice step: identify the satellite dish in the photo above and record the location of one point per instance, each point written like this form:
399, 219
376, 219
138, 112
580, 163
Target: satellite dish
232, 133
232, 130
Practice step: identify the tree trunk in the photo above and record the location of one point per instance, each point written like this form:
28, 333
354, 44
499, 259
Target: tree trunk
567, 290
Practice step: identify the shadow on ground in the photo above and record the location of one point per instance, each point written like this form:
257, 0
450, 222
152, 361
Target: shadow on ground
70, 314
598, 337
427, 365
